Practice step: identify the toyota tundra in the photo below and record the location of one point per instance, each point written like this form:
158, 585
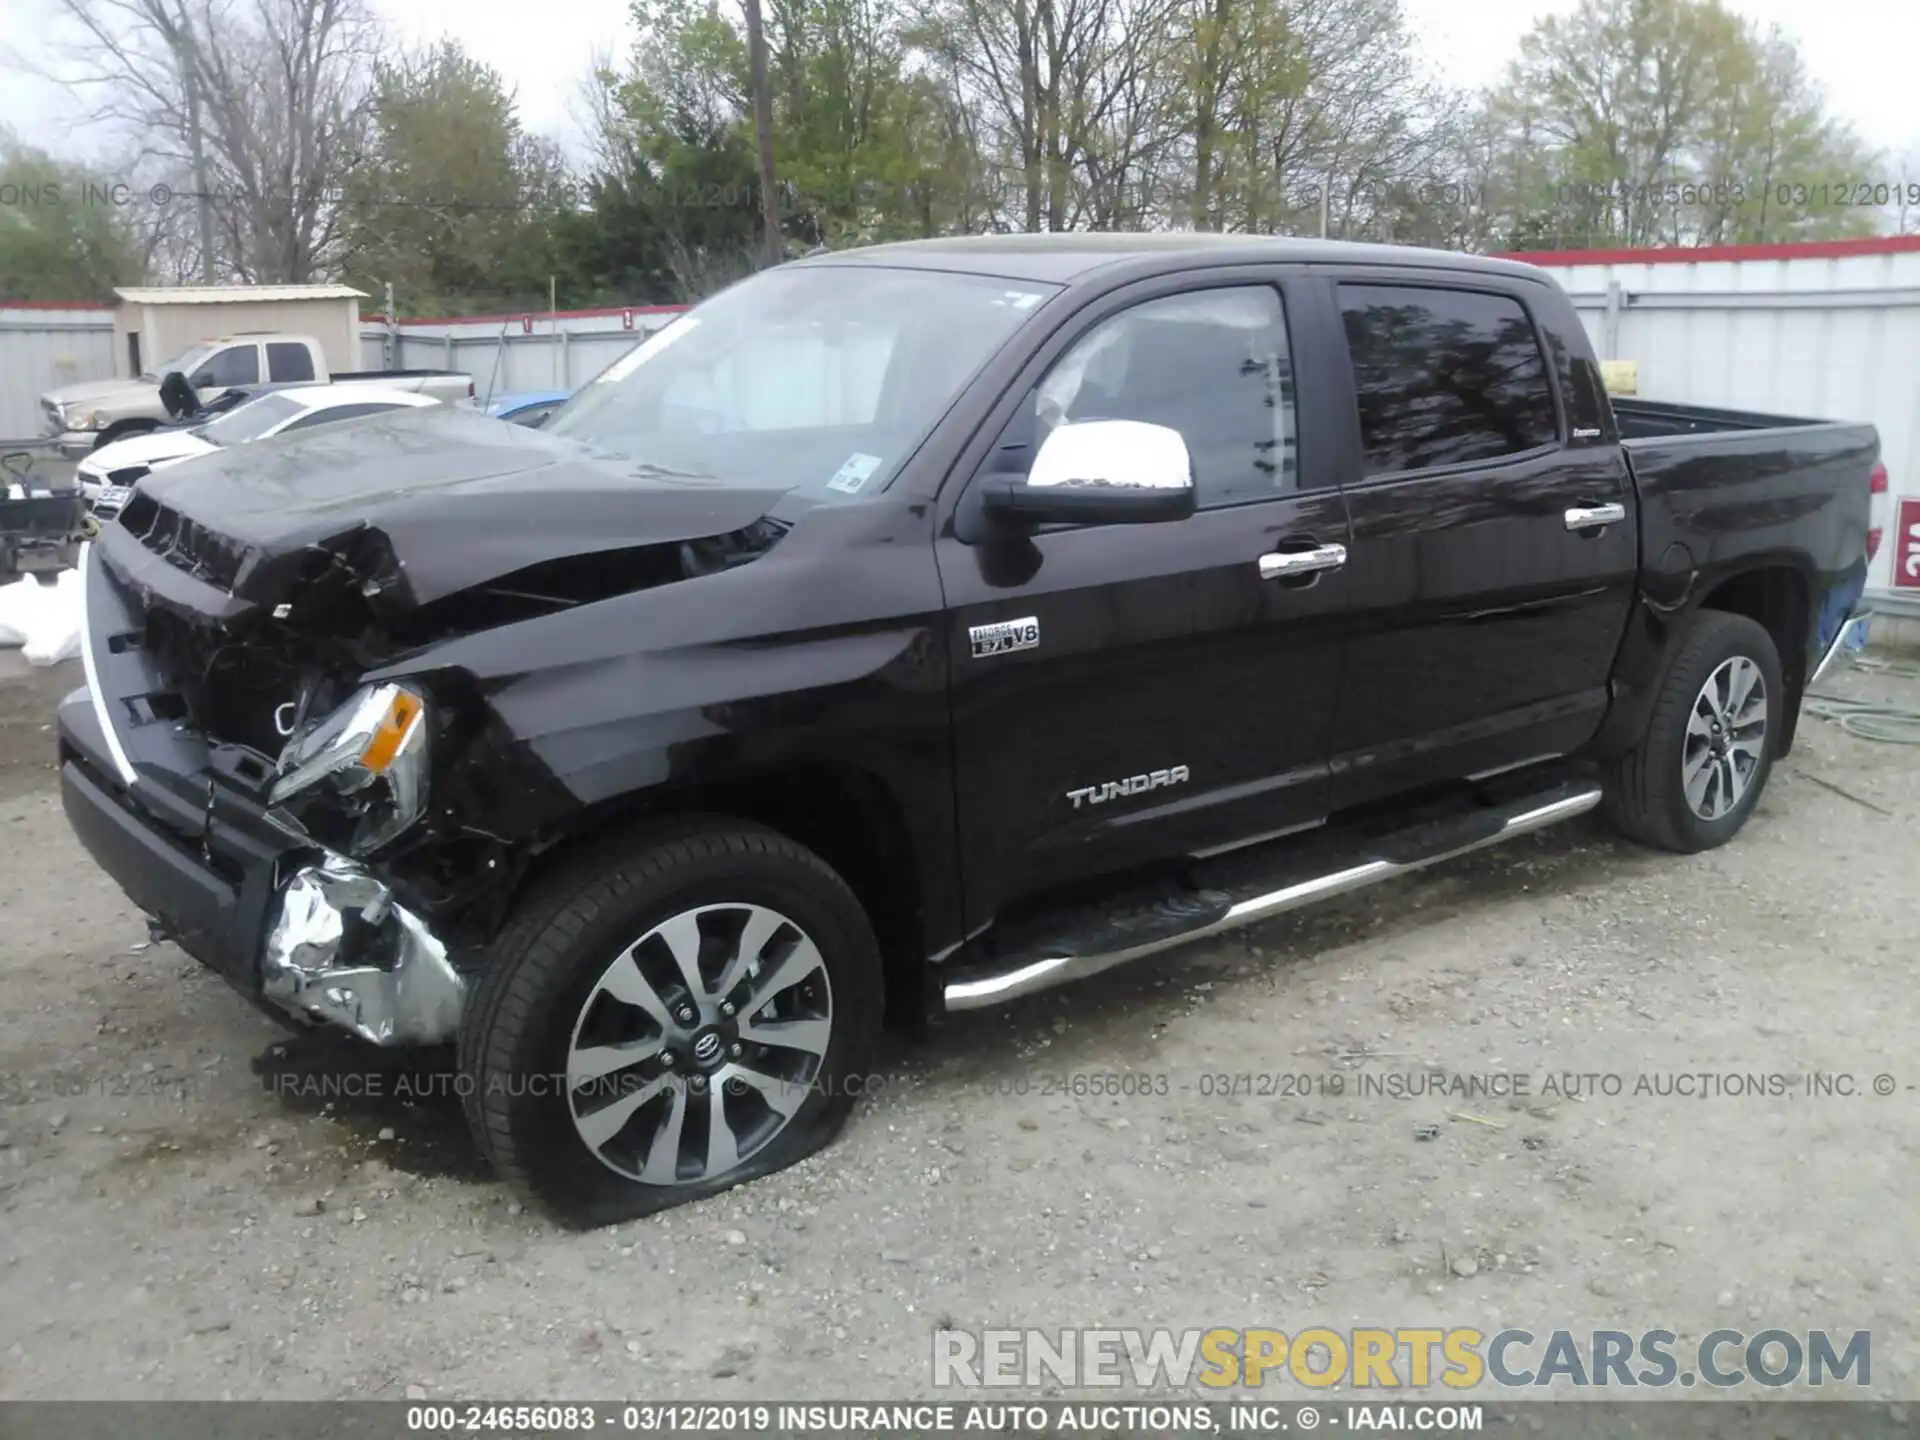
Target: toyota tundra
908, 629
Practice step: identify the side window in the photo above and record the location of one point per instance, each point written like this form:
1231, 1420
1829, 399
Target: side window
338, 412
236, 365
1212, 364
1444, 377
287, 361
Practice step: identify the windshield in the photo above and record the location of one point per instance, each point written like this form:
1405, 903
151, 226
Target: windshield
817, 378
186, 362
251, 420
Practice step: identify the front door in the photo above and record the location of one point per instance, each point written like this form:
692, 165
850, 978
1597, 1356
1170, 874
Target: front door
1130, 694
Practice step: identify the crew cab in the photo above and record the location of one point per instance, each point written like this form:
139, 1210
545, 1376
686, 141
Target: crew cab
908, 629
83, 417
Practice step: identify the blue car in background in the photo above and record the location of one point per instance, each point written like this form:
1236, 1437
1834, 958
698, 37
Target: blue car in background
527, 407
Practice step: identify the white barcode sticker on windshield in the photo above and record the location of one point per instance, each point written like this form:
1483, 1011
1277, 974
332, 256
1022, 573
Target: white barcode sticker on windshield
856, 472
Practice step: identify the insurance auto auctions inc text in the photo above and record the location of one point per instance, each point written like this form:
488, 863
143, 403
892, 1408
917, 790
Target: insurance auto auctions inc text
1381, 1359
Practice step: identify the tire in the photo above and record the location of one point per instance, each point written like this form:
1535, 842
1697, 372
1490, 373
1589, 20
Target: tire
592, 970
1648, 794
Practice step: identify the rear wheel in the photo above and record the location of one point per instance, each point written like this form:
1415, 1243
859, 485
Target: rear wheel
1698, 770
672, 1020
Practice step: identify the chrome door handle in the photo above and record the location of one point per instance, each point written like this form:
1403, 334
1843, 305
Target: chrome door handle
1280, 563
1589, 517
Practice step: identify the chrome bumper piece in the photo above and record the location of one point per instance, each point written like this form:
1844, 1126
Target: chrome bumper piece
341, 952
71, 444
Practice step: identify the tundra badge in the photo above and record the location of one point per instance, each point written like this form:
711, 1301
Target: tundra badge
1136, 785
1005, 637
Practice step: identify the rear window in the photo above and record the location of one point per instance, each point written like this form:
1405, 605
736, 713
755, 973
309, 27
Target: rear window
1445, 377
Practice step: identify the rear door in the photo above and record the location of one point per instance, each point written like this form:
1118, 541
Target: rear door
1161, 696
1494, 550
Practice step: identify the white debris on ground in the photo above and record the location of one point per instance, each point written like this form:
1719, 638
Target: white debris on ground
42, 617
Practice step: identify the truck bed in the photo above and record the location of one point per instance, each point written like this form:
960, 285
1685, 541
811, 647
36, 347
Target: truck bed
1654, 420
1662, 440
1712, 483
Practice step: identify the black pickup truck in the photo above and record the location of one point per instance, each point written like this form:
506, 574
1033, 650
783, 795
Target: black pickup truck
909, 629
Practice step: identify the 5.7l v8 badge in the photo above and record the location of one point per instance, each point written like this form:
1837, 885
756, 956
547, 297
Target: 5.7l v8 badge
1005, 637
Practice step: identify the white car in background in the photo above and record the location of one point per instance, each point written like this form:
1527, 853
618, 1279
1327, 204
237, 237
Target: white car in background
108, 474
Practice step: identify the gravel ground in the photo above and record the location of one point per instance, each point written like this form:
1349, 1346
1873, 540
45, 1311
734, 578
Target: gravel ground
185, 1217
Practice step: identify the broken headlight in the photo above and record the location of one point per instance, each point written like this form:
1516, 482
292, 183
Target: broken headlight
359, 777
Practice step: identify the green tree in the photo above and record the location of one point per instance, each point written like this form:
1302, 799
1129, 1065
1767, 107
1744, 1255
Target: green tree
453, 202
1667, 122
62, 236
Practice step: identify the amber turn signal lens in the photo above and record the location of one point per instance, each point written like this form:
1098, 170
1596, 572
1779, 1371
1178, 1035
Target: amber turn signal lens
402, 715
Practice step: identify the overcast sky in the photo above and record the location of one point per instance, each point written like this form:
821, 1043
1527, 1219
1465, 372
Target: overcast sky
1862, 52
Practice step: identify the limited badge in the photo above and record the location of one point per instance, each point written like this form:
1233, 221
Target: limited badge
1005, 637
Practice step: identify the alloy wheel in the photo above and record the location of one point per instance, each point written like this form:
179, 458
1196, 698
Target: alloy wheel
698, 1043
1726, 738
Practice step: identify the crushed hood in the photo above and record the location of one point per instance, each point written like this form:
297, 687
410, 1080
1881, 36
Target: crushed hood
454, 498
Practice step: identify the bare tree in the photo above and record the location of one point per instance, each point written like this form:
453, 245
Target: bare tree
261, 101
1031, 68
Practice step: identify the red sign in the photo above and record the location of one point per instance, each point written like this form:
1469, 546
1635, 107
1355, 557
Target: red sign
1906, 547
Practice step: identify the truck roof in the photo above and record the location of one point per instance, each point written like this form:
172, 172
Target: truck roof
1063, 258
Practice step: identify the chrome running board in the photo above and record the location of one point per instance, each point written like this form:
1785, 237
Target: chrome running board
1490, 827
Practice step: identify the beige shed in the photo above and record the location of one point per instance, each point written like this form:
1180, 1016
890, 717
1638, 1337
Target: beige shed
151, 324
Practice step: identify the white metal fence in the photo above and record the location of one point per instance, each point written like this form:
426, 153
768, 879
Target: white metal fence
43, 346
510, 353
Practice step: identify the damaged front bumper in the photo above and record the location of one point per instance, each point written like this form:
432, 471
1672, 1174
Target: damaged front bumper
340, 951
327, 944
320, 939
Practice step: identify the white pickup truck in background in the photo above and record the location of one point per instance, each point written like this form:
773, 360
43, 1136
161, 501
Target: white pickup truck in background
79, 418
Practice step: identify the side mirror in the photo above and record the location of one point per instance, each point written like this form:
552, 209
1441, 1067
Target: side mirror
1099, 472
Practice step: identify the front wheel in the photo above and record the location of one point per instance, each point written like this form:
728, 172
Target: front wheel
1696, 773
662, 1024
